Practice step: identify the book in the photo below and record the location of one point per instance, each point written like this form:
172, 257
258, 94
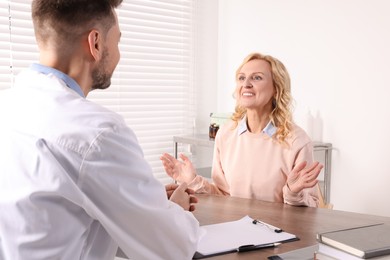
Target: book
363, 242
320, 251
228, 237
322, 256
325, 252
304, 253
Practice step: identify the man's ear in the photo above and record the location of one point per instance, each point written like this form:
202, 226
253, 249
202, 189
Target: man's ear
95, 44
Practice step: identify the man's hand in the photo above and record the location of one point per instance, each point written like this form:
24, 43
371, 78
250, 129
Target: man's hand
182, 195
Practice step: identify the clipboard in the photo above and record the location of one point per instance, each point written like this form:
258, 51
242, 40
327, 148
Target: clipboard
228, 237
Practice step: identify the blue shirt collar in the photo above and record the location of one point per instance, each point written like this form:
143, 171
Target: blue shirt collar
71, 83
269, 129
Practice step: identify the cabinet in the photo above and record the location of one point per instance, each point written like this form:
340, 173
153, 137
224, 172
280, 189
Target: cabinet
322, 150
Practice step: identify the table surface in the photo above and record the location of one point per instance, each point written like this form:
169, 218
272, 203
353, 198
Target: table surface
304, 222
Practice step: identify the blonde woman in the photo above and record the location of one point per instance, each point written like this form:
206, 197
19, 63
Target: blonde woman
260, 153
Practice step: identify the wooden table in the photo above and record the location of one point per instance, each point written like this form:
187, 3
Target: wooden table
304, 222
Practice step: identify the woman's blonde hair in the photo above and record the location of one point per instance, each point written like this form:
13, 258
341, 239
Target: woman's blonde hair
281, 115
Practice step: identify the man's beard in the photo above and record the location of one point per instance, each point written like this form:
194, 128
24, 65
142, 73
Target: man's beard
100, 78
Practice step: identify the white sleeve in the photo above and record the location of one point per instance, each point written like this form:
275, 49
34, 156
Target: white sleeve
124, 196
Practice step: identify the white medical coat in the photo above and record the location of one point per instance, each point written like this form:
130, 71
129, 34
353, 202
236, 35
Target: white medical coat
74, 183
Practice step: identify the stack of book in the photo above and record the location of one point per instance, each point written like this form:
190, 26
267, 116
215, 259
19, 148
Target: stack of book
367, 242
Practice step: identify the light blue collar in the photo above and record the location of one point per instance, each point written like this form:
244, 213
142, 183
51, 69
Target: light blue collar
269, 129
71, 83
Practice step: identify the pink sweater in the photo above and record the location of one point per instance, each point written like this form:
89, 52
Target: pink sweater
256, 166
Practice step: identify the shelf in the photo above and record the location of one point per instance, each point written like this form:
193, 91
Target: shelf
199, 139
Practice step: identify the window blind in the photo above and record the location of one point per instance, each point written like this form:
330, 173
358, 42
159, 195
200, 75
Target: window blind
4, 46
152, 87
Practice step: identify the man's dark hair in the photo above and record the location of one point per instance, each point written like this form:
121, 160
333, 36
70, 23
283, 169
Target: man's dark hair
68, 19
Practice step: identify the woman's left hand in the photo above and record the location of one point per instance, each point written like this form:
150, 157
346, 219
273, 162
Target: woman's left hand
303, 176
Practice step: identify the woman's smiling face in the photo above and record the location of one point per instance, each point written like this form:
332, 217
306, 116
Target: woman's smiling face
255, 89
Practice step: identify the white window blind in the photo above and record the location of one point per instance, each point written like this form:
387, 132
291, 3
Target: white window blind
4, 46
152, 87
18, 47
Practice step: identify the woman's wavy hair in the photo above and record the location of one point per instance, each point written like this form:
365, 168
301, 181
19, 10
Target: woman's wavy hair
281, 115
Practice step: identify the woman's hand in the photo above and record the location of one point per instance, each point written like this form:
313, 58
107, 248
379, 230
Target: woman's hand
181, 195
303, 176
181, 171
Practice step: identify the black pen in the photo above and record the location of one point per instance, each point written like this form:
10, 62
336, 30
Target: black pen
256, 247
275, 229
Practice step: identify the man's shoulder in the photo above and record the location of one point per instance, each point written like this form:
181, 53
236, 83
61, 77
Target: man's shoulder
91, 120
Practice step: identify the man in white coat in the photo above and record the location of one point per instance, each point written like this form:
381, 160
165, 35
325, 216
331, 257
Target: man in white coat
74, 183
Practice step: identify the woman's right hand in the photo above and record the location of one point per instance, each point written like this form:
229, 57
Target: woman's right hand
181, 171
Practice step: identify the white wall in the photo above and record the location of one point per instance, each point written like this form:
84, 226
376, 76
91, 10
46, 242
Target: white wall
338, 56
206, 51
